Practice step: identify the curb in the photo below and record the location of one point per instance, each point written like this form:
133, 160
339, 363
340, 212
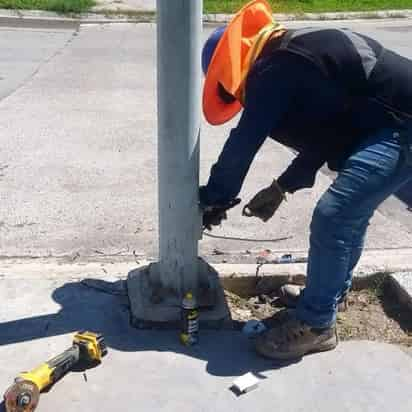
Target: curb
368, 15
401, 284
238, 278
76, 266
141, 16
45, 18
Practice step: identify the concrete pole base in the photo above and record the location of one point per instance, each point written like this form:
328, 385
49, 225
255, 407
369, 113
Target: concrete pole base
153, 306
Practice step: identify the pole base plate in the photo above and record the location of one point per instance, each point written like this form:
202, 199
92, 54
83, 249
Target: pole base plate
155, 307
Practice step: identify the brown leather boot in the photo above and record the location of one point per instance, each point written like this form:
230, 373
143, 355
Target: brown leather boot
292, 339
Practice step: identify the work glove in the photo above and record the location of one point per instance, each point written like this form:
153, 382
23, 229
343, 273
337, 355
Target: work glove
213, 215
265, 203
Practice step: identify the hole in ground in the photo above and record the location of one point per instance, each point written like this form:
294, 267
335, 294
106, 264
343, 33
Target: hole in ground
372, 313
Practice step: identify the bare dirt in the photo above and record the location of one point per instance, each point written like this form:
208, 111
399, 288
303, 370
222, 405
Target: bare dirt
371, 314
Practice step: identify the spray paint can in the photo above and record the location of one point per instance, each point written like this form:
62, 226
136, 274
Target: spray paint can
189, 320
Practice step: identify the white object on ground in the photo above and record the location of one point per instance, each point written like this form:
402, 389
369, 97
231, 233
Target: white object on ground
246, 383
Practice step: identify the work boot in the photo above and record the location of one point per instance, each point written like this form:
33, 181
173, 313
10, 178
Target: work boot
289, 296
291, 338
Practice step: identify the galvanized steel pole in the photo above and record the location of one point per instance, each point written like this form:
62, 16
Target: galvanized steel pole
179, 27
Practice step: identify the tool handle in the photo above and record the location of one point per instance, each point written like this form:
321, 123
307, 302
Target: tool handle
62, 363
51, 371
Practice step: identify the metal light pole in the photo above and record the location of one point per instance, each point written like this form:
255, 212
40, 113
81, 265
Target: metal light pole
179, 28
156, 291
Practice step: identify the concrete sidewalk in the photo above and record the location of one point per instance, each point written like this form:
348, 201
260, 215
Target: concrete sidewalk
151, 371
126, 5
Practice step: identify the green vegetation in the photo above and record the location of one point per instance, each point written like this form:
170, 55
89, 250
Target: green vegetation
224, 6
309, 6
59, 6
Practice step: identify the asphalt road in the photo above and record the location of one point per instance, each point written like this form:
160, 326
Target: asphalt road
78, 148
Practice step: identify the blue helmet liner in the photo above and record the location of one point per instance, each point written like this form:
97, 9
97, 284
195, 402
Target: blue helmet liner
210, 47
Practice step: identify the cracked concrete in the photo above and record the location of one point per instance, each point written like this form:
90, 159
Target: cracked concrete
82, 157
24, 52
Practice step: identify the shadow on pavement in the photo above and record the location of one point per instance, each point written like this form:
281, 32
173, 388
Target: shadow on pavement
405, 195
227, 353
395, 309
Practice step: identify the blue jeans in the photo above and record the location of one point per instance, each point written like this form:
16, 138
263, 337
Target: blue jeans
376, 170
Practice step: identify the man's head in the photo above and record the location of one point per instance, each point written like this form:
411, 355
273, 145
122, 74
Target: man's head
226, 58
207, 54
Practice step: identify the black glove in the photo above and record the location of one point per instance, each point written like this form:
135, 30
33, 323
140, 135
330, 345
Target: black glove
265, 203
213, 215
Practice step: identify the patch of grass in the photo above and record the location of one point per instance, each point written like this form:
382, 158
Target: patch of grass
310, 6
59, 6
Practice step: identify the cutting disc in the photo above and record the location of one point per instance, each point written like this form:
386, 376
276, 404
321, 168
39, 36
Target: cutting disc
23, 396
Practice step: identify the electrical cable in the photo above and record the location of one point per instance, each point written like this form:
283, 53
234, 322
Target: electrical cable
245, 239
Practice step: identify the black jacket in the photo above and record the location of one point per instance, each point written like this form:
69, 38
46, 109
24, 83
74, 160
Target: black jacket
320, 92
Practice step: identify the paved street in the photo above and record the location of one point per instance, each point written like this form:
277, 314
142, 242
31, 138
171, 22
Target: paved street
24, 51
78, 148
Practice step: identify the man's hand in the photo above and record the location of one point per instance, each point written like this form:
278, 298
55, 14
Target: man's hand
213, 215
265, 203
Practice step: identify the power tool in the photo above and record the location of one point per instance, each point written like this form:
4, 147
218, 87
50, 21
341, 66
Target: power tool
23, 396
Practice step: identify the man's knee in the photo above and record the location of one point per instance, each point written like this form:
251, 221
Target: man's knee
334, 221
327, 214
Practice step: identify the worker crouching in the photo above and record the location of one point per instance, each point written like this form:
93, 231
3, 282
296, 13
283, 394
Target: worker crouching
337, 98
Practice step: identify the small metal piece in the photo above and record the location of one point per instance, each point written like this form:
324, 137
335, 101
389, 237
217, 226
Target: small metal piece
24, 399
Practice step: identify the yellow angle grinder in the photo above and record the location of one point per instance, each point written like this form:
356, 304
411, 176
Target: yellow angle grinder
23, 396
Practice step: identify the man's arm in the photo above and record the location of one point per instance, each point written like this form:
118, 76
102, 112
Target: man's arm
228, 173
271, 89
268, 94
301, 173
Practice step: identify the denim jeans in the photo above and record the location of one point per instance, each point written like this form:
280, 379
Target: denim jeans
376, 170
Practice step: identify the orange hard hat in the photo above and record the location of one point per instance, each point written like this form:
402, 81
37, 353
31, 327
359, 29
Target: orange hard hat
230, 56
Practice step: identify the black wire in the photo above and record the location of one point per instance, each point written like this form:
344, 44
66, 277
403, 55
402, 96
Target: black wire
245, 239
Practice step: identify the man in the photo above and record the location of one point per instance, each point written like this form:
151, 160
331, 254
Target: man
336, 97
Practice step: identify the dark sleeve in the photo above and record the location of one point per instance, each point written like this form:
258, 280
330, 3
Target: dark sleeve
267, 100
301, 173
